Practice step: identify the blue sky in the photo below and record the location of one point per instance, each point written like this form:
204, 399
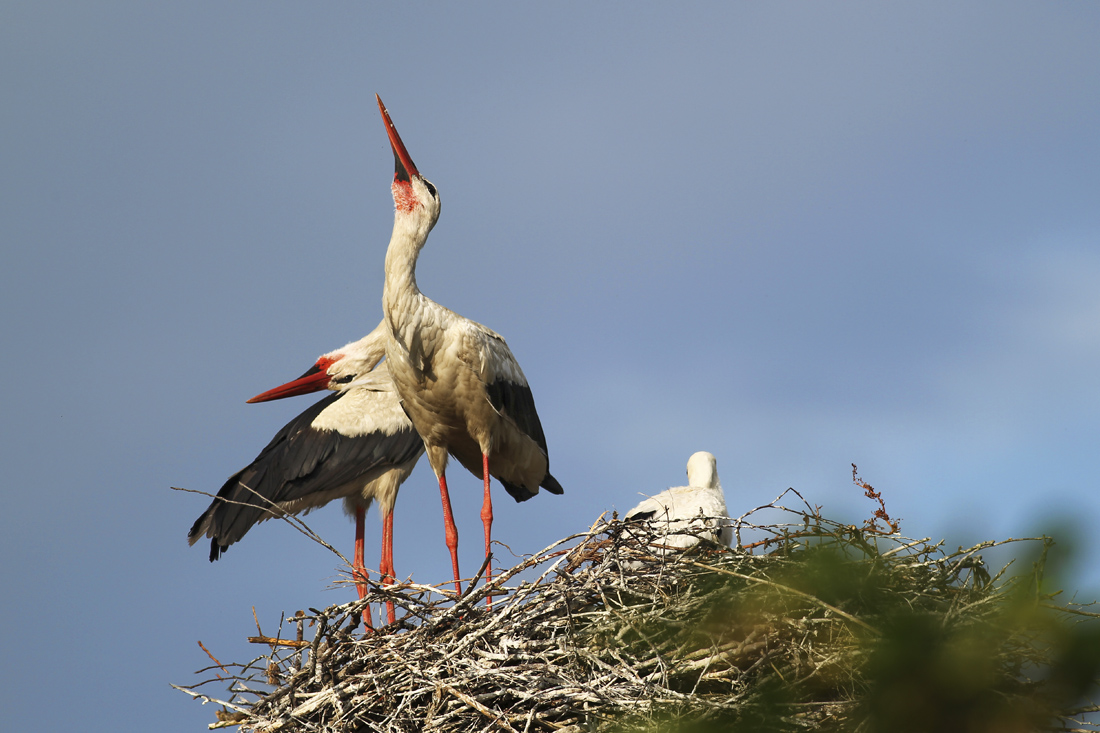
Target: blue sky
795, 235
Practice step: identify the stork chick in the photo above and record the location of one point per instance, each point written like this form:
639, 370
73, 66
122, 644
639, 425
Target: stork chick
680, 512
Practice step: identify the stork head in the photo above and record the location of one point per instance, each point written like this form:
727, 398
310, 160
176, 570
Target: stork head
337, 370
414, 196
702, 470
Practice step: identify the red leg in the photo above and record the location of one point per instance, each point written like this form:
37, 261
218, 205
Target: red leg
487, 520
450, 531
358, 568
387, 560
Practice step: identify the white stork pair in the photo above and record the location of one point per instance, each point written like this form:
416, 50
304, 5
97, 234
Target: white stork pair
449, 387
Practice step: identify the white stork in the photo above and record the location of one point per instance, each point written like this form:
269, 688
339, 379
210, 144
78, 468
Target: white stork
699, 504
459, 383
356, 445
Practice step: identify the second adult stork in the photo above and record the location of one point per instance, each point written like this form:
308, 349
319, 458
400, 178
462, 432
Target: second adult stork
356, 445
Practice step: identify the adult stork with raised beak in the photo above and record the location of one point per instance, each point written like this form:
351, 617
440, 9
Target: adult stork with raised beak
356, 445
459, 383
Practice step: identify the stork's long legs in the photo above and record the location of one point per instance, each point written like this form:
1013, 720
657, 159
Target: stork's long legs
450, 531
386, 567
487, 520
358, 569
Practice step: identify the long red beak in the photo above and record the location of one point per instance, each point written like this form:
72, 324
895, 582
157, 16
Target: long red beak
403, 166
314, 380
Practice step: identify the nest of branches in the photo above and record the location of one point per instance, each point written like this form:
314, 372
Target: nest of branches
805, 624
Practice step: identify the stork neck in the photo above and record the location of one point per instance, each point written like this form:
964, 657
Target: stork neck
401, 259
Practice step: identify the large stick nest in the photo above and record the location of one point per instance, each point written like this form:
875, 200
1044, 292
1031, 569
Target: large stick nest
805, 624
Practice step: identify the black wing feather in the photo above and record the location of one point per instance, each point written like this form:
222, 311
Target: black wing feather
518, 403
300, 460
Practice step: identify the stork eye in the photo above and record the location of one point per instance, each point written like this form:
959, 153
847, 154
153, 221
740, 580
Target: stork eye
431, 189
344, 379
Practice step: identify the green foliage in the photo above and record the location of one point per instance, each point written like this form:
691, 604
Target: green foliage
851, 638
